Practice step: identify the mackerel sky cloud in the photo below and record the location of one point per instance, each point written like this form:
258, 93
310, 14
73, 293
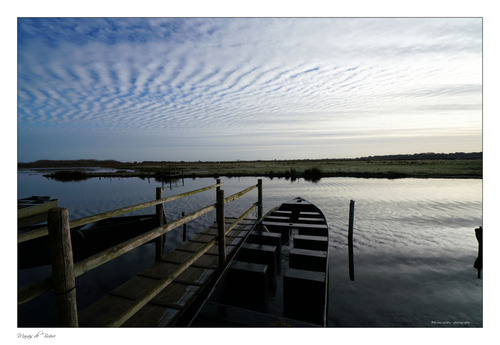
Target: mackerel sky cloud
136, 89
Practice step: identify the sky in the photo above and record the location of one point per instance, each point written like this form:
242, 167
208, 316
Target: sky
136, 89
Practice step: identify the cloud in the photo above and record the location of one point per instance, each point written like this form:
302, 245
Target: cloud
165, 75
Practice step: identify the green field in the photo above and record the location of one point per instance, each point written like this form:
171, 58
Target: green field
308, 169
325, 168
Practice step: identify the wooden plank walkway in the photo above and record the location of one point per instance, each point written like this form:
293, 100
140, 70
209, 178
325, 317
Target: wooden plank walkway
170, 286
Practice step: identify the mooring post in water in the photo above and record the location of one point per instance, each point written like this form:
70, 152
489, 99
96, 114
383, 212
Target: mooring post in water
259, 200
184, 228
159, 216
162, 179
221, 225
478, 264
350, 241
63, 274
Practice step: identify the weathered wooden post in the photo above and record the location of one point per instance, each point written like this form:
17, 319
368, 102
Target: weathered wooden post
162, 179
218, 188
221, 226
184, 228
62, 267
350, 240
160, 241
478, 263
259, 200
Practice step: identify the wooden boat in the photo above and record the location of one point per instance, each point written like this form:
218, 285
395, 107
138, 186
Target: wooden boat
86, 240
278, 277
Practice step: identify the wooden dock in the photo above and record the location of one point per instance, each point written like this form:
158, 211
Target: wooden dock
160, 295
186, 290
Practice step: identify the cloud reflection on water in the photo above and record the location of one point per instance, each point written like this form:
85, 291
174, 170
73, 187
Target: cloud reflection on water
401, 290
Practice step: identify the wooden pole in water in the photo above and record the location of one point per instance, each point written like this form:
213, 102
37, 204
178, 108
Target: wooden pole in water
478, 264
221, 225
350, 241
160, 241
259, 200
63, 274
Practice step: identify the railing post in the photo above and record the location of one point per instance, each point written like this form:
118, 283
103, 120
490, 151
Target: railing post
350, 240
160, 241
221, 226
63, 274
218, 188
259, 200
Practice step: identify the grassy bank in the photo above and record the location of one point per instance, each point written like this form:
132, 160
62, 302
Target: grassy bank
308, 169
326, 168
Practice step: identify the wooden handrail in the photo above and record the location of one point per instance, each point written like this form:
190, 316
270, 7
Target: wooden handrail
238, 195
29, 235
45, 285
240, 218
81, 267
109, 254
36, 289
161, 284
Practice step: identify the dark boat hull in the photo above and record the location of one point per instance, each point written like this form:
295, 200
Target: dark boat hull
88, 240
278, 277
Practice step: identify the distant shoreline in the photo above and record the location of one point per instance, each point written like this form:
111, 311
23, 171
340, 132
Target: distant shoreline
429, 165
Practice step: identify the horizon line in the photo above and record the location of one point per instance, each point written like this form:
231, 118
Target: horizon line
253, 160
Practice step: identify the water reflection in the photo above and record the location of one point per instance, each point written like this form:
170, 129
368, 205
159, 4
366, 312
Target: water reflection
401, 290
414, 241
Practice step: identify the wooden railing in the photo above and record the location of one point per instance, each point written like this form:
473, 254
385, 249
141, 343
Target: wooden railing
64, 270
109, 214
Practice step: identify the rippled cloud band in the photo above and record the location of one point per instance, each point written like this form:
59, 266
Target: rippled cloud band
247, 88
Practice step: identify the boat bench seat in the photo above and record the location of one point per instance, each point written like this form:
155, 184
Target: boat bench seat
304, 295
247, 283
264, 237
304, 229
279, 227
311, 242
311, 220
320, 230
305, 259
278, 218
295, 225
298, 206
282, 213
311, 214
260, 254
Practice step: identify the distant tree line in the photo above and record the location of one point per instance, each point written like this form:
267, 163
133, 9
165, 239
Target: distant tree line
45, 163
428, 155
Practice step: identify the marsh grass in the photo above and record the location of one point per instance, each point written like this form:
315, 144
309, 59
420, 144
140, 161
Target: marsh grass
312, 170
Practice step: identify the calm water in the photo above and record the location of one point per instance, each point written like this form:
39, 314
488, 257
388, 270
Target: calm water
414, 243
